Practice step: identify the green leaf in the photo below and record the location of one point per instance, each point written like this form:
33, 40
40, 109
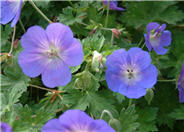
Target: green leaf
146, 119
92, 43
75, 68
137, 13
13, 84
172, 15
5, 34
86, 81
178, 113
68, 17
99, 102
26, 119
76, 99
166, 99
128, 119
94, 101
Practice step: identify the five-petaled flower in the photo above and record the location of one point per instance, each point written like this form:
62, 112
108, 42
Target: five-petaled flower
157, 38
113, 5
130, 72
181, 85
10, 10
4, 127
50, 52
76, 121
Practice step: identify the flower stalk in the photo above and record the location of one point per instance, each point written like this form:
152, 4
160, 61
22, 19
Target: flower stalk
107, 16
39, 11
13, 37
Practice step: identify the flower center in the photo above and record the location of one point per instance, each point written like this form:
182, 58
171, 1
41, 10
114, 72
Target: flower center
53, 52
130, 73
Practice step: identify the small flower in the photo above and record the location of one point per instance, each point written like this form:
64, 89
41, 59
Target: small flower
50, 52
157, 38
181, 85
76, 121
10, 10
130, 72
113, 5
5, 127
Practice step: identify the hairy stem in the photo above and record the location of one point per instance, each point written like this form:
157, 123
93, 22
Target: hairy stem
13, 37
35, 86
173, 80
22, 26
107, 16
39, 11
108, 113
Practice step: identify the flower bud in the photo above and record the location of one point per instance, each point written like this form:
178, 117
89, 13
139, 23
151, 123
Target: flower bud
116, 32
114, 123
96, 61
149, 95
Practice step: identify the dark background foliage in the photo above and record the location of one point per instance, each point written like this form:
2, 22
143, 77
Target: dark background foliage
26, 107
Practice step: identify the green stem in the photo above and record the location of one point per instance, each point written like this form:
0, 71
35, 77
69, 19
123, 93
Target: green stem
167, 80
107, 29
13, 37
39, 11
130, 102
35, 86
107, 16
112, 38
140, 42
107, 112
22, 26
71, 3
143, 46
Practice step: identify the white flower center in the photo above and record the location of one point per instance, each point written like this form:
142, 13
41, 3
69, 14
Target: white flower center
131, 74
53, 52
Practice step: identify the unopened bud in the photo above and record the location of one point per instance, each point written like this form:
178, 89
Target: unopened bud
114, 123
96, 61
149, 95
116, 32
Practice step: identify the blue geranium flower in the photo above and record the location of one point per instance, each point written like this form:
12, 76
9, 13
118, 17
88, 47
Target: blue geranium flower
181, 85
157, 38
5, 127
50, 52
113, 5
130, 72
76, 121
10, 10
